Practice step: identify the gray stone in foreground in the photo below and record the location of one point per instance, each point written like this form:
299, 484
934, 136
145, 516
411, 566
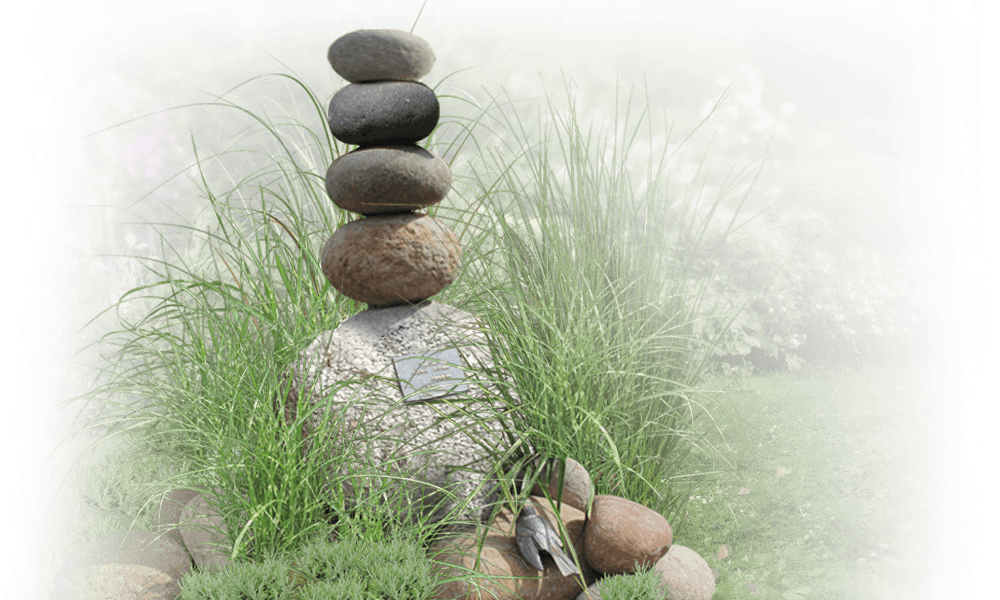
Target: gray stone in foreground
360, 352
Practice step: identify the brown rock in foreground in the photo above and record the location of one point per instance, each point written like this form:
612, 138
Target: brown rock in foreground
621, 532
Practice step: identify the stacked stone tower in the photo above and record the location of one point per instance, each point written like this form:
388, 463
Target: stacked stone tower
393, 256
405, 350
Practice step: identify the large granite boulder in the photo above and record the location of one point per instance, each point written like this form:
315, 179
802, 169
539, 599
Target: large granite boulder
348, 378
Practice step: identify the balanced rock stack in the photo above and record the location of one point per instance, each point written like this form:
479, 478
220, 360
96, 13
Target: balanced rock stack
394, 255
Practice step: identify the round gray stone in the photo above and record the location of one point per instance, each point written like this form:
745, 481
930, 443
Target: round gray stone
379, 55
383, 113
405, 439
388, 179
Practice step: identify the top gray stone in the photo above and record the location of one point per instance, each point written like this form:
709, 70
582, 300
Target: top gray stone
380, 55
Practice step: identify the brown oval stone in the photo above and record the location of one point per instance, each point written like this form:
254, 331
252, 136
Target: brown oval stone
454, 555
387, 260
621, 532
387, 179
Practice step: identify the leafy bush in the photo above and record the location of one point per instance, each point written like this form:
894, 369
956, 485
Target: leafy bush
770, 286
865, 199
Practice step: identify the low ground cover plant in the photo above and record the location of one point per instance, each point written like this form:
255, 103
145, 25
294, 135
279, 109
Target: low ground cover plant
595, 296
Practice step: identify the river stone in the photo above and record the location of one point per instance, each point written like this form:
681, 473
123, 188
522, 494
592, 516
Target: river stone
137, 558
383, 113
388, 260
380, 54
621, 532
387, 179
578, 488
686, 574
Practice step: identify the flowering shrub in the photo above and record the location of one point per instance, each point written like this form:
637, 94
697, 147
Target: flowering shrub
863, 305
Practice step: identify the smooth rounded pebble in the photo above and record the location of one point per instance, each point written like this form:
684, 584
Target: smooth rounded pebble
388, 179
686, 574
501, 557
578, 488
159, 557
383, 113
387, 260
380, 54
621, 532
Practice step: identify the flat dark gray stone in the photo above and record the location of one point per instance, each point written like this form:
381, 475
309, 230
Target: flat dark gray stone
423, 377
